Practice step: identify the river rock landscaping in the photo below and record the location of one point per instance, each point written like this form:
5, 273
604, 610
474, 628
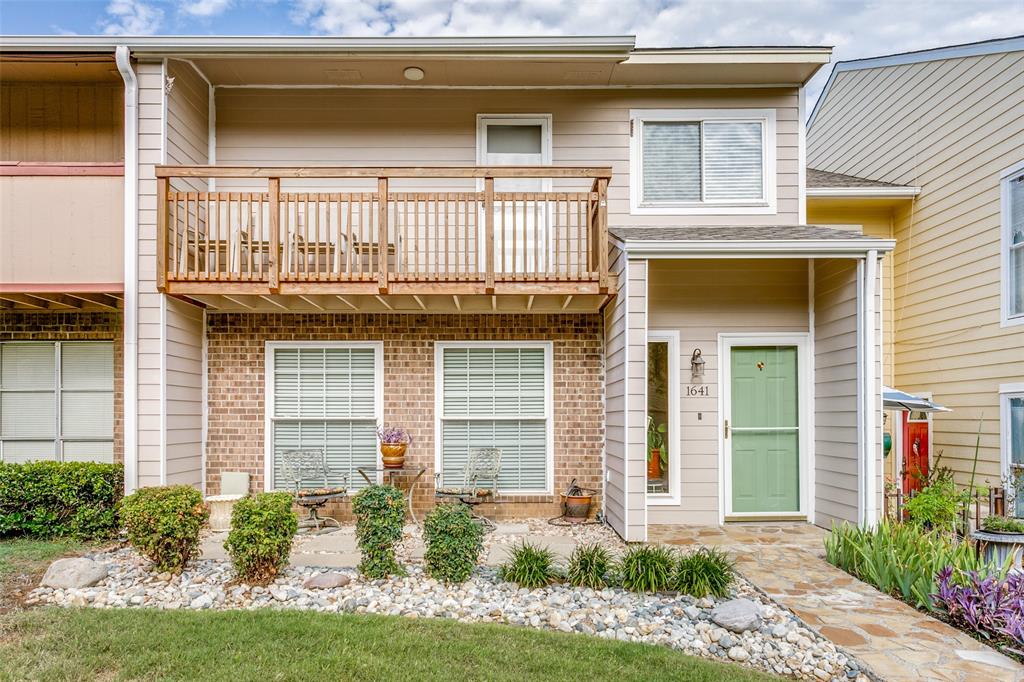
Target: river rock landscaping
745, 628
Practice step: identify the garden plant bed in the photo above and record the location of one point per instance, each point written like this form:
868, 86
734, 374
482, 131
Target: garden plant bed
780, 645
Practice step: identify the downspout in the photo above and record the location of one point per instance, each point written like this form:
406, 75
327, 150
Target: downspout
130, 330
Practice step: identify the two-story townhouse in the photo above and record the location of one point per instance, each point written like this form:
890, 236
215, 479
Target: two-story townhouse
61, 258
934, 142
591, 256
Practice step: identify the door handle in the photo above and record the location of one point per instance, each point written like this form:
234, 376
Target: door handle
725, 429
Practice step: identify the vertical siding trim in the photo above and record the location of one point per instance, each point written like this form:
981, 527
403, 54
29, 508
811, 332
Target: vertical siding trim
205, 423
867, 271
624, 276
810, 384
163, 300
801, 177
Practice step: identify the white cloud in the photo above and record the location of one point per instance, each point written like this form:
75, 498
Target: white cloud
856, 28
132, 17
205, 9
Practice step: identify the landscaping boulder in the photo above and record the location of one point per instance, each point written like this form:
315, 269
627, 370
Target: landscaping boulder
738, 615
75, 572
325, 581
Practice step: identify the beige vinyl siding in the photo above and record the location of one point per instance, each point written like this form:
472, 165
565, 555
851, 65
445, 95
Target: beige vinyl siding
835, 392
435, 127
56, 122
949, 126
703, 298
636, 390
615, 334
170, 331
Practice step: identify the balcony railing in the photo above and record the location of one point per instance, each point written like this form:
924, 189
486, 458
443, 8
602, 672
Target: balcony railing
527, 236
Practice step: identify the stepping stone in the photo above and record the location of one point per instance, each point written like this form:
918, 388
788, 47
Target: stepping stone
211, 546
987, 658
512, 528
329, 542
75, 572
332, 560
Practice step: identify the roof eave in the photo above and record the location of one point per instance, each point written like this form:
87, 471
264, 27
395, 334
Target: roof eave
864, 192
753, 248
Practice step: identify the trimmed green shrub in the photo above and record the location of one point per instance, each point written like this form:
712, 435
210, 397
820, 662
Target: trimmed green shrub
647, 568
262, 530
936, 506
163, 524
704, 571
530, 566
380, 514
903, 559
589, 566
58, 499
454, 540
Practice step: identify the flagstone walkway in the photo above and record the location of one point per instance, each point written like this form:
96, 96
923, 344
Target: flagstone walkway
896, 641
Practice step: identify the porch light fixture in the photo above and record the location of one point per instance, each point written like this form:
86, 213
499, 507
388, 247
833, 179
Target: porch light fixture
413, 73
696, 364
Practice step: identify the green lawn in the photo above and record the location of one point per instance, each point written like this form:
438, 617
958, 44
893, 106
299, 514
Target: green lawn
79, 644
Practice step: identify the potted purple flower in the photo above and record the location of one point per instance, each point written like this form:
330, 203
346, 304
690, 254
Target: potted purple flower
393, 442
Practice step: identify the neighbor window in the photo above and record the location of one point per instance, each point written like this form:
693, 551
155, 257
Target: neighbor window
1012, 199
702, 161
662, 450
496, 396
324, 398
1012, 446
57, 401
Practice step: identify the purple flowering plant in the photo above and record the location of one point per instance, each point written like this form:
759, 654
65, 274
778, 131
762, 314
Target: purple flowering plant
989, 606
393, 435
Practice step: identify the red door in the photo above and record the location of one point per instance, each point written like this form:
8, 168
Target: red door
915, 451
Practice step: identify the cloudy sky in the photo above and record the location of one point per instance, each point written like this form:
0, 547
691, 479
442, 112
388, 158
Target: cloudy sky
856, 28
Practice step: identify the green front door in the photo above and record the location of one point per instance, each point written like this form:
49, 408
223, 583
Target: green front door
764, 431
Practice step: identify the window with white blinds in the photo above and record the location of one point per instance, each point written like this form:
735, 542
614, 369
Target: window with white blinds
702, 160
496, 396
57, 401
324, 397
1013, 245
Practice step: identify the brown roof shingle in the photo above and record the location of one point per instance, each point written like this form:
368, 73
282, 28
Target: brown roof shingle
735, 233
820, 178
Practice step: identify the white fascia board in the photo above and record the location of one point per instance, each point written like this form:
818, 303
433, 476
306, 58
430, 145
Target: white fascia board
864, 192
732, 55
619, 46
781, 248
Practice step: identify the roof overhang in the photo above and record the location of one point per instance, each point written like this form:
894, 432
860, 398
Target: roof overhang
863, 192
893, 399
754, 248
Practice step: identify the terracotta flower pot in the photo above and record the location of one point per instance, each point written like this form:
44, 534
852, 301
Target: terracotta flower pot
393, 455
654, 463
577, 507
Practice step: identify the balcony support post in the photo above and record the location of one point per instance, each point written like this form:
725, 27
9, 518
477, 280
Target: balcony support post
602, 234
489, 234
162, 188
382, 234
274, 247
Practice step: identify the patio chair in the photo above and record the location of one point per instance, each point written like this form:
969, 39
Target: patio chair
299, 465
479, 482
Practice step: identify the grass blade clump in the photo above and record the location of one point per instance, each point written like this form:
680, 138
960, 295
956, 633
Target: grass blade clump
589, 566
647, 568
530, 566
704, 571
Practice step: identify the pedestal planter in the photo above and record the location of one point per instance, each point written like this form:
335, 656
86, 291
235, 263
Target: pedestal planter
220, 510
996, 547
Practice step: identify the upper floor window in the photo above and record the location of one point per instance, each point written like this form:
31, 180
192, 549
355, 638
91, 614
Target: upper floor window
1012, 201
702, 161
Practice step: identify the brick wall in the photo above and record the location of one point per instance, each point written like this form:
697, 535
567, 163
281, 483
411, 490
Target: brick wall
74, 326
235, 357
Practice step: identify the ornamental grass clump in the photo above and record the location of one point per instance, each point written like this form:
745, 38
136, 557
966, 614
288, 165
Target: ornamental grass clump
704, 571
647, 568
262, 530
903, 559
589, 566
454, 540
163, 524
530, 566
989, 607
380, 514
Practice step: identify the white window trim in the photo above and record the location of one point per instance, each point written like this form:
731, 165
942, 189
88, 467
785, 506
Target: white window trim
268, 393
766, 206
672, 497
58, 393
1005, 319
1006, 391
484, 120
549, 415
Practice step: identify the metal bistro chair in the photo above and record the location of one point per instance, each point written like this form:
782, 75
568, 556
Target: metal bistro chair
479, 482
297, 465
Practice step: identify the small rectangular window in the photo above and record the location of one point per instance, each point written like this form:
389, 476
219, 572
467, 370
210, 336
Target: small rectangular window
1012, 197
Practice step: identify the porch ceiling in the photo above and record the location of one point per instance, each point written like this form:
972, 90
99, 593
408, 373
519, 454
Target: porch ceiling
25, 298
398, 303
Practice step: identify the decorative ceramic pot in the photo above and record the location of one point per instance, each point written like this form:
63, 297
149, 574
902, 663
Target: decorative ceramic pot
393, 455
654, 463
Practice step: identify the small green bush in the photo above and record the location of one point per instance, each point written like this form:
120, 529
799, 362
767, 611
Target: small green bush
589, 566
163, 524
1002, 524
60, 499
704, 571
262, 530
530, 566
380, 514
454, 540
647, 568
936, 506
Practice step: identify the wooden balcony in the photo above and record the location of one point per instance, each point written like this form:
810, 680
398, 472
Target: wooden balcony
319, 236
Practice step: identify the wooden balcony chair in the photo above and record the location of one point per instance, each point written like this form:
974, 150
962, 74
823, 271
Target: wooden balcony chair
298, 466
479, 482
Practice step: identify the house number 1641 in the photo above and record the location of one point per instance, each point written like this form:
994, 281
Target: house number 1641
698, 390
